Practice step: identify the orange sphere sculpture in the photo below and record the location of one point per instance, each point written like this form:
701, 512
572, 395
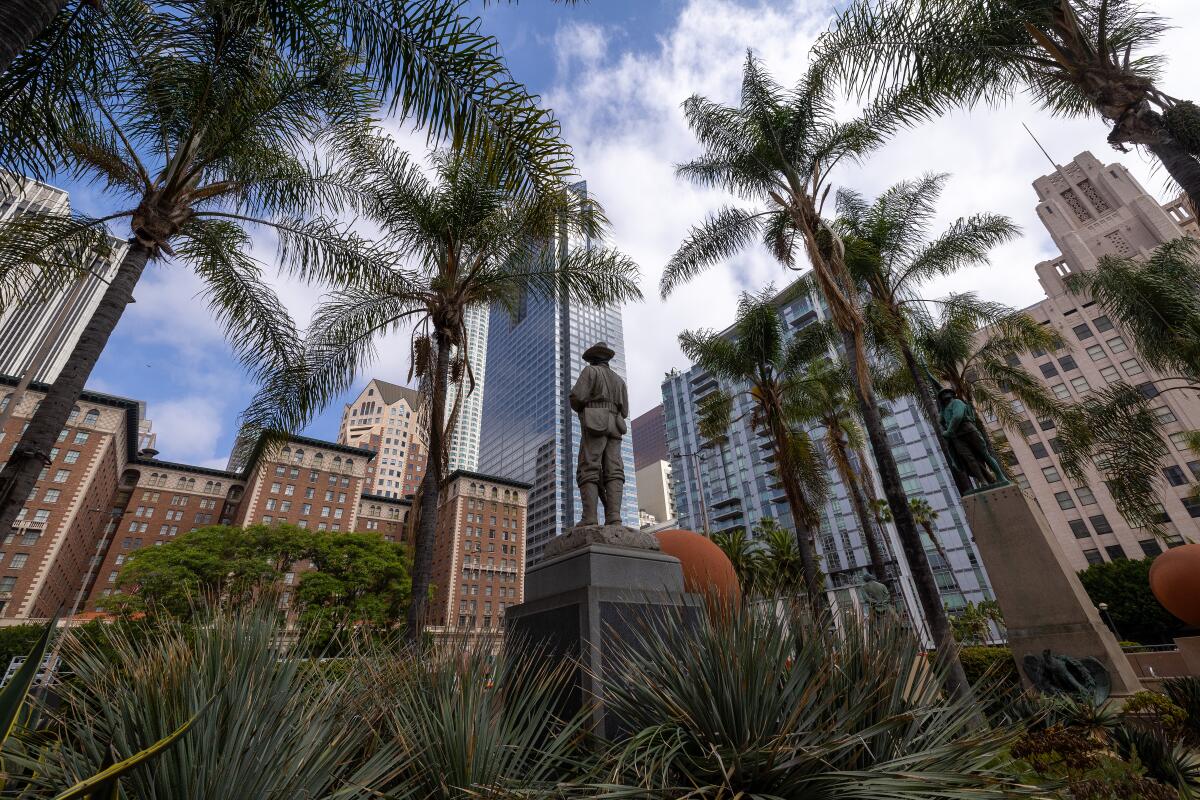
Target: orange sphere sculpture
1175, 581
706, 569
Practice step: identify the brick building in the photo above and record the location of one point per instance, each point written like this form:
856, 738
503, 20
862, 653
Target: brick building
479, 556
1090, 210
385, 418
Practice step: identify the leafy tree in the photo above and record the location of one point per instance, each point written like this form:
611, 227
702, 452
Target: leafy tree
1124, 585
360, 581
758, 361
890, 254
777, 149
1073, 57
203, 131
971, 624
743, 554
780, 566
469, 243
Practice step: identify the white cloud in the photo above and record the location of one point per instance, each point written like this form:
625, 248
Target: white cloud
621, 112
190, 429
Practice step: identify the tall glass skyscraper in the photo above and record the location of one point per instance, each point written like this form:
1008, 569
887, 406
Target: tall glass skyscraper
731, 484
464, 442
529, 432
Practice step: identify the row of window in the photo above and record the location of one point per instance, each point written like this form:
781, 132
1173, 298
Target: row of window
321, 526
305, 508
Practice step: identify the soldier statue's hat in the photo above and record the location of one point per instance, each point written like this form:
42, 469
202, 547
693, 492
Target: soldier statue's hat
600, 351
945, 390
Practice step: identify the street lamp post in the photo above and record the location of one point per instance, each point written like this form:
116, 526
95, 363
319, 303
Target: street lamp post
1107, 617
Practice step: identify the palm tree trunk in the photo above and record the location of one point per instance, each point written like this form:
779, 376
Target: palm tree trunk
942, 554
20, 23
929, 406
798, 504
1182, 166
431, 489
33, 451
906, 529
859, 502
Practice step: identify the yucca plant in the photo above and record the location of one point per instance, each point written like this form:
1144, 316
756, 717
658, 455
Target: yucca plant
1185, 693
756, 702
19, 713
272, 725
465, 723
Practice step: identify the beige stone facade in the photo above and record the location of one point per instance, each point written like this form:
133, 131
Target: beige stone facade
479, 555
385, 418
1090, 210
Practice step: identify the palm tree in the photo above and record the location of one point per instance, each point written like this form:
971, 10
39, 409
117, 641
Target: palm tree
747, 561
427, 57
466, 242
824, 399
1073, 57
925, 515
777, 149
982, 369
781, 565
203, 134
762, 364
890, 255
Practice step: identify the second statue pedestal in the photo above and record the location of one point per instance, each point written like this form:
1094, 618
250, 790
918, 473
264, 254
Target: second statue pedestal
587, 601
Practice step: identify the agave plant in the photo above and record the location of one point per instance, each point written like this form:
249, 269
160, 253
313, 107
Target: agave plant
467, 724
780, 703
271, 725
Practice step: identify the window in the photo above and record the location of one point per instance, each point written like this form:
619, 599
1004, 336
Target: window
18, 560
1132, 367
1103, 323
81, 437
1100, 523
62, 475
71, 457
289, 490
1179, 439
1080, 384
1079, 528
1086, 498
1068, 363
1093, 556
51, 496
1150, 548
1192, 505
309, 492
31, 537
1061, 391
1055, 445
1117, 344
1082, 331
8, 582
1164, 414
1095, 352
1046, 424
286, 505
306, 508
1148, 389
1174, 476
275, 487
1026, 428
1039, 450
90, 417
270, 504
1115, 552
1048, 369
1064, 500
1110, 374
324, 511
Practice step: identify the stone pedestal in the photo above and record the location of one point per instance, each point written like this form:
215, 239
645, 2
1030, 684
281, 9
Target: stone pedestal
583, 602
1044, 604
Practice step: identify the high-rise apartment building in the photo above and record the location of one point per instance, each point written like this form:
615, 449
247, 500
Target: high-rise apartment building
654, 492
479, 554
733, 484
50, 326
1091, 210
649, 434
385, 418
529, 431
463, 447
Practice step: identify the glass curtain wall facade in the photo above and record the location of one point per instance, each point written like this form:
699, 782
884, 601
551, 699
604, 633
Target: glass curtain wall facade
464, 442
529, 432
719, 487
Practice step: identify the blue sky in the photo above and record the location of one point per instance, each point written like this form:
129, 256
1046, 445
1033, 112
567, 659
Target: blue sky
615, 72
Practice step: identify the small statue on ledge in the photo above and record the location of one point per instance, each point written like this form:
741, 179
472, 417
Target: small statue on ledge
969, 445
876, 595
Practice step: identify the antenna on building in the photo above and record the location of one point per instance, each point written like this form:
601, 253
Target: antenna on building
1039, 144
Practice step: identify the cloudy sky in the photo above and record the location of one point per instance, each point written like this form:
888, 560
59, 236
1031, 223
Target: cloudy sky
615, 72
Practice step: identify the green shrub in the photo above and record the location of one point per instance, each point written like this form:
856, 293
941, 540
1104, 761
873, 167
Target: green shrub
994, 662
17, 640
1156, 709
1125, 586
1185, 693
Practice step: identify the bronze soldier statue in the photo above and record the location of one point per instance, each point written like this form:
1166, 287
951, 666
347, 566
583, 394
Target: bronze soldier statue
968, 443
602, 402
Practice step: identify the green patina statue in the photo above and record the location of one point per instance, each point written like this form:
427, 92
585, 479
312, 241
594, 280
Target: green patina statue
969, 445
1082, 678
876, 595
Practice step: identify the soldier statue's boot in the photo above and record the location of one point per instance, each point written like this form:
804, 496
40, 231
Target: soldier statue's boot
589, 496
612, 502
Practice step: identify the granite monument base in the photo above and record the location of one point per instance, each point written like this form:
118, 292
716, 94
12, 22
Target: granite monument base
1043, 602
585, 602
